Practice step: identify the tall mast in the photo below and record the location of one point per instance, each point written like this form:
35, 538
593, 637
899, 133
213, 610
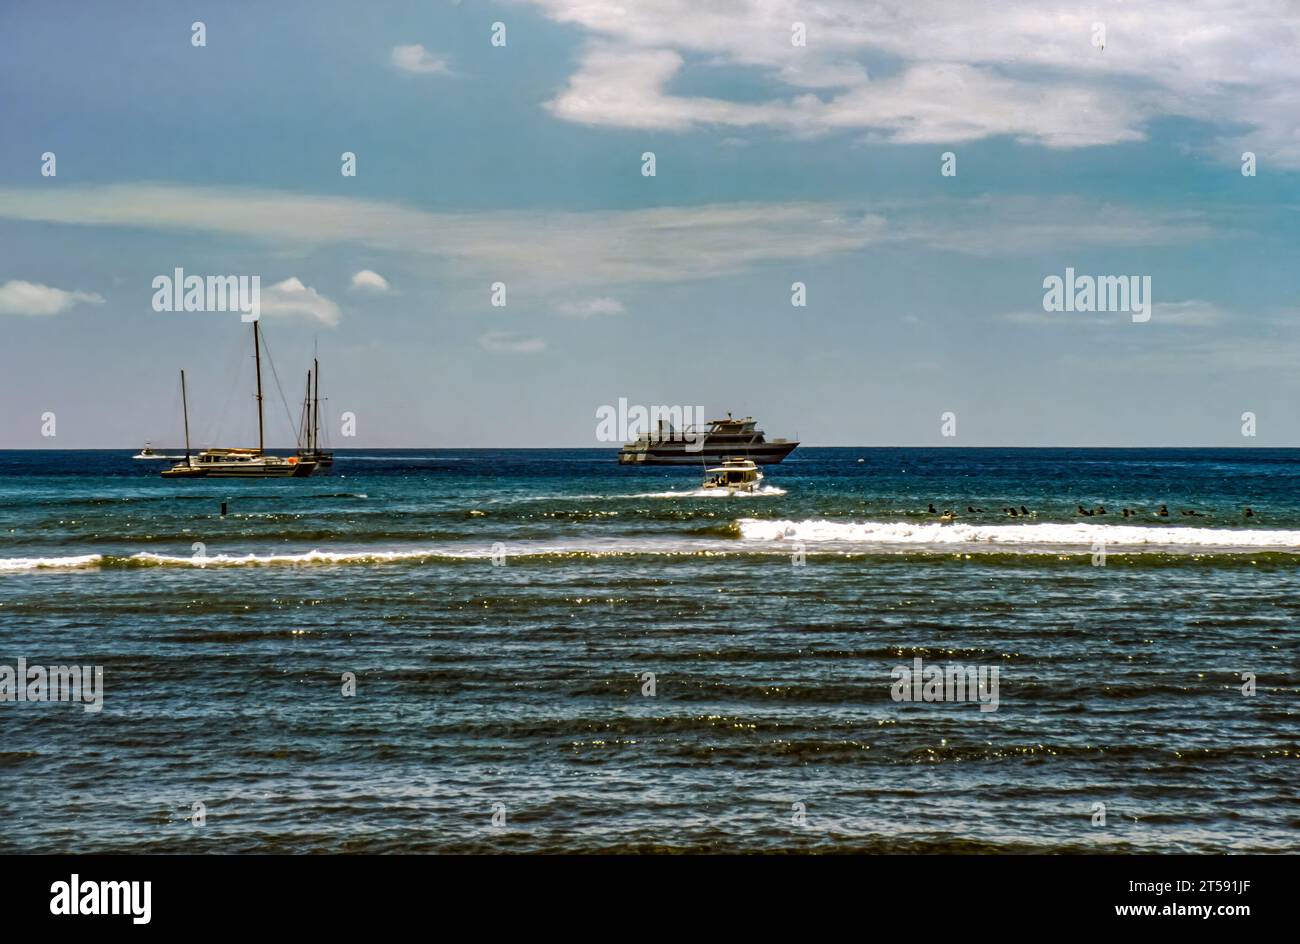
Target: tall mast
306, 415
257, 358
315, 432
185, 412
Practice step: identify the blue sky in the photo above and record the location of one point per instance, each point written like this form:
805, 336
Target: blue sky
775, 163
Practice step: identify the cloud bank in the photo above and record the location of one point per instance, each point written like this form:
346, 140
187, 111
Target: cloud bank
947, 71
561, 250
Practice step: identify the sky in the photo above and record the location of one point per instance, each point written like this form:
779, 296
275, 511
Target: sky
521, 162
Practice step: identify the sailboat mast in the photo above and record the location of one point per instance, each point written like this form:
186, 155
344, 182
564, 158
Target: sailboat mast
315, 433
185, 412
306, 415
257, 358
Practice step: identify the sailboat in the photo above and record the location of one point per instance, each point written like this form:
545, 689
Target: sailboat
238, 463
311, 423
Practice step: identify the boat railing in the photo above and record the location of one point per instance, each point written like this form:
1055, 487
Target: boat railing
695, 432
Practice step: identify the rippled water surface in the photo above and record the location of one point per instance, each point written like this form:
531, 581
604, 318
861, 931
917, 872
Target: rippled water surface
499, 611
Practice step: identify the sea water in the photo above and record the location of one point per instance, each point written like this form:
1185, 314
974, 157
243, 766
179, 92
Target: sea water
541, 650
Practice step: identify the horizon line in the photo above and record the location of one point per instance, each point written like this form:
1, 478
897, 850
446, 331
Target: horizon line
617, 448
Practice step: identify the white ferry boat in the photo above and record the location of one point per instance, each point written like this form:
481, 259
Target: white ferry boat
718, 440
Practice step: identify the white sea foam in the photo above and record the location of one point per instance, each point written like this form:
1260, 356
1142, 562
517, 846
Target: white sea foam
1054, 535
463, 552
41, 563
305, 557
478, 551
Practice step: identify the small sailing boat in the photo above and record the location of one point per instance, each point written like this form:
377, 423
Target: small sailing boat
310, 433
238, 463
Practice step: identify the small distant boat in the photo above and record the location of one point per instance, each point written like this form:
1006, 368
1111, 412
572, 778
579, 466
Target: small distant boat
734, 476
148, 452
237, 463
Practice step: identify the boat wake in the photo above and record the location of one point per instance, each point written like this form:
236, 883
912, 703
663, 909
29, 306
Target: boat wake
766, 490
1078, 535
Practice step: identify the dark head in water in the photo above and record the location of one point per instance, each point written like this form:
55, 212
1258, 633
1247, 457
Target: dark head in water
1249, 513
1164, 511
932, 510
1084, 511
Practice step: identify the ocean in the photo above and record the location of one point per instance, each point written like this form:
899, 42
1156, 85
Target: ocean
442, 650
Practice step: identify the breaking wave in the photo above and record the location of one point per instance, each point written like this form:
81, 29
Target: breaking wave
515, 551
1046, 535
42, 563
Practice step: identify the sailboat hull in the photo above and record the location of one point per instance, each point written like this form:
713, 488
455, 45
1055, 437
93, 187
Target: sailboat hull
263, 467
324, 461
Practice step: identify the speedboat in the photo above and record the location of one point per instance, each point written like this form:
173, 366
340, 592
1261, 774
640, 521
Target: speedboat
149, 452
734, 476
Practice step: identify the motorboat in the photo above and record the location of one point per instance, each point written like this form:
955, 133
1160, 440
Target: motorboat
734, 476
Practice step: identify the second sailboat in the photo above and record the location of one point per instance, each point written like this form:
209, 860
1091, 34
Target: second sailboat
239, 463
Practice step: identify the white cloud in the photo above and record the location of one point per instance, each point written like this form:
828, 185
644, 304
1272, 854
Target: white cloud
549, 251
1192, 313
506, 342
291, 298
28, 298
956, 71
370, 281
590, 307
947, 103
419, 60
1017, 225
